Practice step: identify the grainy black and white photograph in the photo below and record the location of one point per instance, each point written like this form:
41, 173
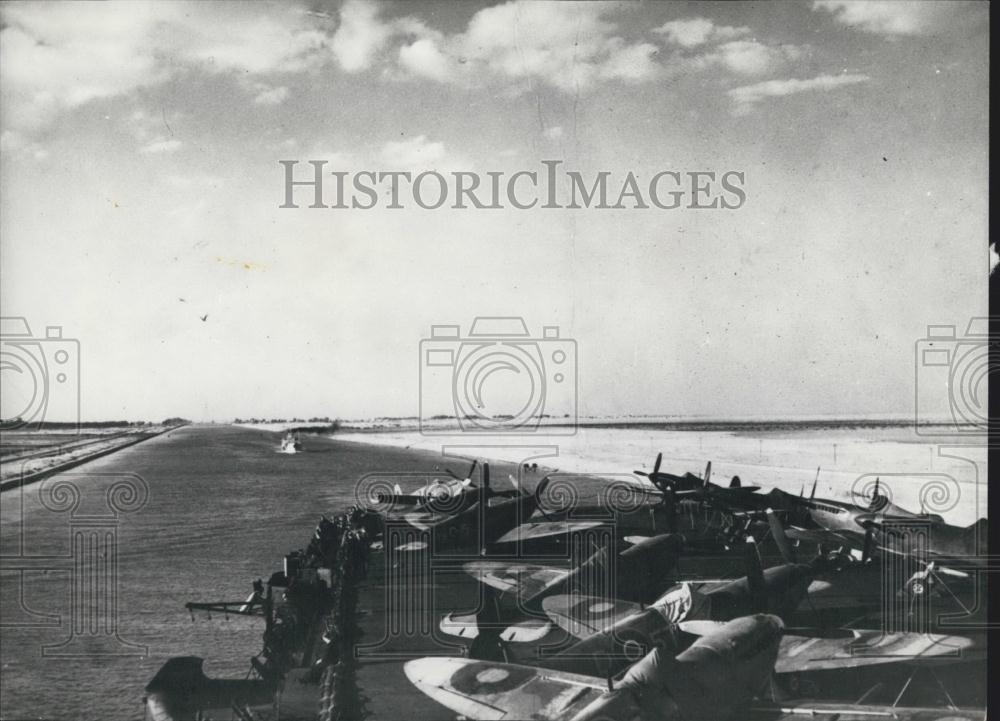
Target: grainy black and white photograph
439, 360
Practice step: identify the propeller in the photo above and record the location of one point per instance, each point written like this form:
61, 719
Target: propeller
489, 644
670, 503
866, 549
879, 501
755, 574
778, 532
656, 468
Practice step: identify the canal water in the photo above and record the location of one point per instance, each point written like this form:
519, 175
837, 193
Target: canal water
223, 508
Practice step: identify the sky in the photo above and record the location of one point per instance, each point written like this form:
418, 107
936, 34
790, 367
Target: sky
140, 186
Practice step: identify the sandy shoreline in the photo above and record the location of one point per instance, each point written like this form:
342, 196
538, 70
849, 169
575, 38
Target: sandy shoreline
47, 461
950, 480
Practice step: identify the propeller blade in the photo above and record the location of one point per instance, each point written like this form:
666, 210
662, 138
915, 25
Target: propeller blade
944, 570
866, 550
659, 460
486, 478
488, 616
755, 574
778, 531
670, 502
708, 473
812, 494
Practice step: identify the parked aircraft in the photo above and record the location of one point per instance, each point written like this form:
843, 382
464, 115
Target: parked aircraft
736, 658
437, 490
489, 515
691, 487
871, 529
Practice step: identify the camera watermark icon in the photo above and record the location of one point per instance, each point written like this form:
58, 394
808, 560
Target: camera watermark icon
952, 380
931, 494
498, 379
94, 504
41, 377
933, 572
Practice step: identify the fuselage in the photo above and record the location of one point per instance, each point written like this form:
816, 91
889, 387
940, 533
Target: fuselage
718, 674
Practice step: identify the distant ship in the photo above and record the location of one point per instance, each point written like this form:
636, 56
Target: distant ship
291, 443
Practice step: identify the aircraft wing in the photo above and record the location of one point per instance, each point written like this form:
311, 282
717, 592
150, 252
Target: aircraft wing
546, 529
487, 690
869, 648
827, 711
819, 536
425, 520
583, 616
466, 625
524, 580
402, 499
642, 484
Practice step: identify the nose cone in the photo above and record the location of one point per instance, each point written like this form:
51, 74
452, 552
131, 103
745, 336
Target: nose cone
760, 625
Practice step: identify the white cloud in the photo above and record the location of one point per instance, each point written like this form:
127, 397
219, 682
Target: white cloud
257, 40
425, 59
267, 95
59, 56
700, 44
412, 153
748, 95
749, 57
568, 46
692, 32
889, 17
632, 63
360, 37
162, 145
14, 143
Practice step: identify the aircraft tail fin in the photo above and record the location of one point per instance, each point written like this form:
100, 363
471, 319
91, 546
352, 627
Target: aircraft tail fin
735, 483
